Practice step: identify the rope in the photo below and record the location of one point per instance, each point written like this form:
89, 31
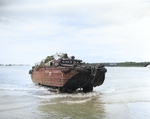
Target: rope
93, 72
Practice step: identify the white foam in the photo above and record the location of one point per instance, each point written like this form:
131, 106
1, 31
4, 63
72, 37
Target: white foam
74, 98
74, 95
22, 89
14, 89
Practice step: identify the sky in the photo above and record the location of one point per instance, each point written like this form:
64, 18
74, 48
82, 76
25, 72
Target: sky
94, 31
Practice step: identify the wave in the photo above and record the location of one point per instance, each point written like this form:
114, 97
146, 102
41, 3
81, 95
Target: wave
21, 89
76, 97
72, 95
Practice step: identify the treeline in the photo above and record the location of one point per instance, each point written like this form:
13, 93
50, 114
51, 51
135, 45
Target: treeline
123, 64
14, 64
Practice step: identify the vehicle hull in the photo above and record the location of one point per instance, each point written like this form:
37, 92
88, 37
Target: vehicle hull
69, 79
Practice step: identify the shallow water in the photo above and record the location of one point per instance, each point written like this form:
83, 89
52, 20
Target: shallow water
124, 95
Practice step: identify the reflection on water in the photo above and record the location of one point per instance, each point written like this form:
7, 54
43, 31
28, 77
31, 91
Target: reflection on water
69, 107
86, 106
124, 95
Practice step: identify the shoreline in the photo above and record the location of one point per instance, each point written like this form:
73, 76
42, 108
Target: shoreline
122, 64
108, 64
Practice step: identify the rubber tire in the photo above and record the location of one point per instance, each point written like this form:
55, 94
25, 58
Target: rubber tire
88, 88
62, 90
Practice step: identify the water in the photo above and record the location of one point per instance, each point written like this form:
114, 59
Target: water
124, 95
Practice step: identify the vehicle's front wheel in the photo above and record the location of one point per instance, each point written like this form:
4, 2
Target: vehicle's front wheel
88, 88
62, 90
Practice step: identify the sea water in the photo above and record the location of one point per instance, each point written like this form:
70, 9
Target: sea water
124, 95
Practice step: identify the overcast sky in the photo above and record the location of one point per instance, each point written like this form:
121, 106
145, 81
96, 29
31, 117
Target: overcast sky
91, 30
